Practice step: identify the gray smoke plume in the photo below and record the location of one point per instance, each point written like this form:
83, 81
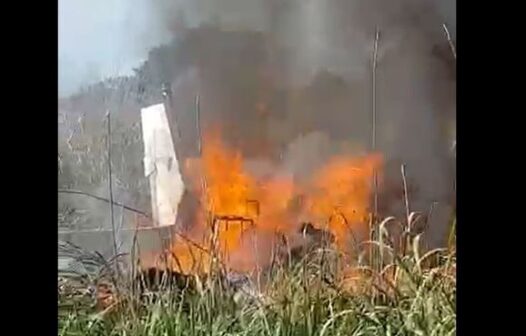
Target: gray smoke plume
291, 80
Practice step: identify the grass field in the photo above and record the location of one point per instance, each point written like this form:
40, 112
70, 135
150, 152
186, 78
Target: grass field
386, 293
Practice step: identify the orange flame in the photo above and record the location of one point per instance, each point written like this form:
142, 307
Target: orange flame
340, 196
236, 206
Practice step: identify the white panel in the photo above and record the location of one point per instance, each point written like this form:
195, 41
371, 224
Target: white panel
161, 165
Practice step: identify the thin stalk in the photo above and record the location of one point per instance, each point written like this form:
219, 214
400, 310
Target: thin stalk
113, 231
451, 44
408, 229
373, 142
373, 135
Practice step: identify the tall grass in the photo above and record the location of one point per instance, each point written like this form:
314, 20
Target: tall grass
409, 294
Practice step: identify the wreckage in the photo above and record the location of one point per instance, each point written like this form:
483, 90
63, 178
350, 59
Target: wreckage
274, 122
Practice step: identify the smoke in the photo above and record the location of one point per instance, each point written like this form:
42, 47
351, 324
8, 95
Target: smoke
291, 80
91, 226
98, 39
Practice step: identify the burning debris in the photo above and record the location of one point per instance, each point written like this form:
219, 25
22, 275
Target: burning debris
240, 214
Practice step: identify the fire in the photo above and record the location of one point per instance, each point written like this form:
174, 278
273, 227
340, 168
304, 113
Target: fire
228, 187
340, 197
240, 213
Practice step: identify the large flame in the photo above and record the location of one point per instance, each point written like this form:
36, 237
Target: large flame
239, 214
340, 197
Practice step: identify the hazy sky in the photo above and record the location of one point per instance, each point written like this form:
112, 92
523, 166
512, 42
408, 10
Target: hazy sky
100, 38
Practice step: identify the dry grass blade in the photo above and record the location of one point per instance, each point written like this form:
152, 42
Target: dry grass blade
332, 319
451, 44
430, 254
384, 234
406, 196
377, 244
416, 252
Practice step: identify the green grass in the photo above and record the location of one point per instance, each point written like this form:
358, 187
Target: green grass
309, 297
